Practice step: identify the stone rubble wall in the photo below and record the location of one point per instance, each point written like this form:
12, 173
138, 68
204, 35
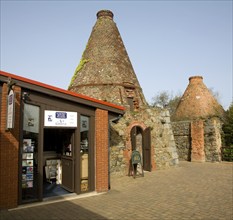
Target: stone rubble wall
164, 153
181, 131
213, 142
212, 139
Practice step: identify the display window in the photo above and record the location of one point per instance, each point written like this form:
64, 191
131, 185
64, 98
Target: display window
84, 152
29, 154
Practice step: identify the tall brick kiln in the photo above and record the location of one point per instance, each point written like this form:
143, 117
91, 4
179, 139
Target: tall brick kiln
105, 72
197, 123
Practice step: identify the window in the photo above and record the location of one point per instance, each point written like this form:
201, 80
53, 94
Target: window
29, 154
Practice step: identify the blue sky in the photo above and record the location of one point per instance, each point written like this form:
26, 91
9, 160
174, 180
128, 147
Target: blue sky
167, 41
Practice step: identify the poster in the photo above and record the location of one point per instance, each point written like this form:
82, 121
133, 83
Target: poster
27, 163
29, 184
27, 146
29, 170
29, 176
31, 118
27, 156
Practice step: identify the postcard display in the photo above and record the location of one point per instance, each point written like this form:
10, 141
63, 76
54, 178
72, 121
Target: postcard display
53, 170
27, 163
29, 153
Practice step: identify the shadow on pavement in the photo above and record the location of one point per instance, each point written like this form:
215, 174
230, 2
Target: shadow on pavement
58, 210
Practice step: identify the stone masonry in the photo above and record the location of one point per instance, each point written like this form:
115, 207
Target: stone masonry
162, 140
213, 139
182, 135
106, 73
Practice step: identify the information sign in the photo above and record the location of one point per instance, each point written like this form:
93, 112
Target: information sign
10, 109
60, 119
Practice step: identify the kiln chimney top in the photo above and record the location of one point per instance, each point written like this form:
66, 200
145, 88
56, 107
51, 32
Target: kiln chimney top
195, 79
104, 13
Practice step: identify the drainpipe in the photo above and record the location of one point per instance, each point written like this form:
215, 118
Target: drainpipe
114, 120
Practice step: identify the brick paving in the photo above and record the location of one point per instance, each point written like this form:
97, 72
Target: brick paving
190, 191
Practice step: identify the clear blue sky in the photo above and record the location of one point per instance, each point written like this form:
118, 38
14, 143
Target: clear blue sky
167, 41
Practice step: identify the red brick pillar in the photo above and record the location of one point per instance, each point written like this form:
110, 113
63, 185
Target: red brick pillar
9, 151
101, 120
197, 143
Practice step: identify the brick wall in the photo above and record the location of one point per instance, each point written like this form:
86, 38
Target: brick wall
101, 150
197, 102
9, 151
197, 141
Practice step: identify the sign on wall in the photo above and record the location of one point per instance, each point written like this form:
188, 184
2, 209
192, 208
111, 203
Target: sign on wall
31, 118
10, 109
60, 119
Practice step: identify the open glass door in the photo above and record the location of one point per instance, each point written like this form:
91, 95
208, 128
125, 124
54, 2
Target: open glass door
84, 153
68, 162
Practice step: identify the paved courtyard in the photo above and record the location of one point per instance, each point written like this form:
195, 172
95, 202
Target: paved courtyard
190, 191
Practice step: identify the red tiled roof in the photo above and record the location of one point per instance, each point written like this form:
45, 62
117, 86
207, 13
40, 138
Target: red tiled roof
43, 85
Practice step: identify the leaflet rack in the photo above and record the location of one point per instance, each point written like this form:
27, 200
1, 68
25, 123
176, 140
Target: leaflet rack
53, 170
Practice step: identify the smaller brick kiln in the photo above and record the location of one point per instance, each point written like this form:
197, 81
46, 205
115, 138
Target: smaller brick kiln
197, 123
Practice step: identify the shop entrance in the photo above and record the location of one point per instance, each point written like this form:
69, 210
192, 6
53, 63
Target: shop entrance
57, 158
58, 162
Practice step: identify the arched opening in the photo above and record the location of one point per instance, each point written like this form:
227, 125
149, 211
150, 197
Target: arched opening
141, 141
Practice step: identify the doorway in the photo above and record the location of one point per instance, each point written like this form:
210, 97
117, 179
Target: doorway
58, 162
141, 141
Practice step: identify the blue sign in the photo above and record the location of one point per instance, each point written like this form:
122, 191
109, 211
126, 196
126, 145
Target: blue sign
62, 115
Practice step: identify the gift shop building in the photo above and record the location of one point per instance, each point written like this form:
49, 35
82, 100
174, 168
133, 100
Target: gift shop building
53, 142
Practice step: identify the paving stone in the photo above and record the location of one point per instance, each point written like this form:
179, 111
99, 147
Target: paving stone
191, 191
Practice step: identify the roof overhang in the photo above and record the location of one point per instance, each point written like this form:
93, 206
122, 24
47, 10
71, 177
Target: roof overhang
60, 93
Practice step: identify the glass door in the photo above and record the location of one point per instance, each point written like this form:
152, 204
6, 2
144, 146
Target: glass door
84, 153
68, 161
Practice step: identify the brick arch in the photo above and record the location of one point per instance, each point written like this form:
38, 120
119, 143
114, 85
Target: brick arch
128, 152
128, 130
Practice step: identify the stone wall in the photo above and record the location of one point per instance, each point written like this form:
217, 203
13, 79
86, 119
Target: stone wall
212, 139
163, 148
213, 142
181, 131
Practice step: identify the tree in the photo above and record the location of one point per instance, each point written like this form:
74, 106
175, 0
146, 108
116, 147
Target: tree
165, 99
216, 94
161, 99
228, 127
